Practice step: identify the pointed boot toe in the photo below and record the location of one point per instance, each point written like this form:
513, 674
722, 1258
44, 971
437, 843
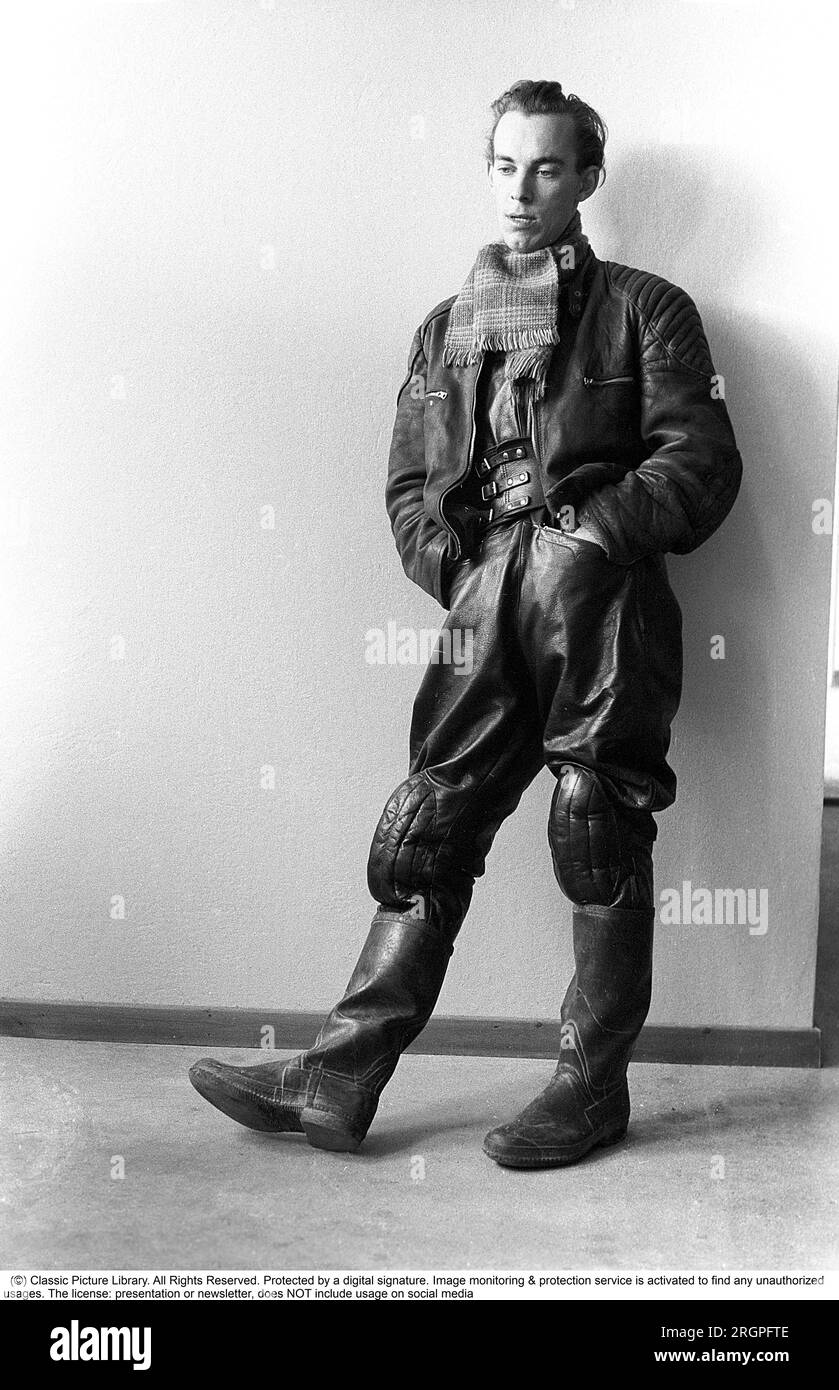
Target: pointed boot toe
252, 1096
286, 1098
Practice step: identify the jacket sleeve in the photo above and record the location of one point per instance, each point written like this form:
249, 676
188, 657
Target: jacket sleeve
678, 496
422, 543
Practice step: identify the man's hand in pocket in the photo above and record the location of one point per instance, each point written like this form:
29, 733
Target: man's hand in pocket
583, 533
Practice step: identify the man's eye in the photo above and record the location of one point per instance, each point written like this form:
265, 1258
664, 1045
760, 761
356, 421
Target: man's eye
548, 173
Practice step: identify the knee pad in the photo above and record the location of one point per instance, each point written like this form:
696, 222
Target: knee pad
402, 857
598, 857
416, 864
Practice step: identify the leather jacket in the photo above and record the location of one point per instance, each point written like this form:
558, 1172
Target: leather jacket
632, 424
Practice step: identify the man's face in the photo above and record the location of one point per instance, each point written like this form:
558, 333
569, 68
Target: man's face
534, 178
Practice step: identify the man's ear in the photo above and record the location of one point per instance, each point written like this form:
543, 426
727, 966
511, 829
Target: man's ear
589, 180
490, 172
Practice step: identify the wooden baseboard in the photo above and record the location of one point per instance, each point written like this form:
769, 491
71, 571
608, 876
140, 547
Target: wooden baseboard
465, 1037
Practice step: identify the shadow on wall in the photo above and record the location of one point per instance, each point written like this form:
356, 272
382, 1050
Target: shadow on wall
771, 508
678, 202
771, 392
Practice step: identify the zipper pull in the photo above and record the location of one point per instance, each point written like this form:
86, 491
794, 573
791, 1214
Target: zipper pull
606, 380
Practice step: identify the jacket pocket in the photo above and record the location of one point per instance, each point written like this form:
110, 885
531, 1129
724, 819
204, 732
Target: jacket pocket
617, 395
450, 582
581, 544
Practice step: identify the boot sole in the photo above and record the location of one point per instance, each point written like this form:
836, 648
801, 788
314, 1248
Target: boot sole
325, 1130
562, 1158
322, 1129
248, 1107
245, 1105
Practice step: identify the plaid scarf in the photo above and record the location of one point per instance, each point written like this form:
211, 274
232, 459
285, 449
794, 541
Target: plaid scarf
510, 303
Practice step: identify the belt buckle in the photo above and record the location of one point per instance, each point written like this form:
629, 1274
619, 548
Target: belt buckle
512, 449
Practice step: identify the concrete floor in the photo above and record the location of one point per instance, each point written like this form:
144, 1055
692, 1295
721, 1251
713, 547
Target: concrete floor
726, 1168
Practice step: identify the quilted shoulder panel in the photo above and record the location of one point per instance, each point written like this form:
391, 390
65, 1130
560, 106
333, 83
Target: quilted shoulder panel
672, 325
441, 308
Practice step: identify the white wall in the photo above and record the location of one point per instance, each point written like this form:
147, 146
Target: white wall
223, 223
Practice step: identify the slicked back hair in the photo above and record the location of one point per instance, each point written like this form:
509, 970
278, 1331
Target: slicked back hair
548, 99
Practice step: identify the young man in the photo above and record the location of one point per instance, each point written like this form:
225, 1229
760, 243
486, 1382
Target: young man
558, 432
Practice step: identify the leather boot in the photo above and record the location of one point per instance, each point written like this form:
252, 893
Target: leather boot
586, 1103
331, 1091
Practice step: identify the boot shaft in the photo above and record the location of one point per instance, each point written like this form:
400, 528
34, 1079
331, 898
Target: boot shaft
608, 998
387, 1002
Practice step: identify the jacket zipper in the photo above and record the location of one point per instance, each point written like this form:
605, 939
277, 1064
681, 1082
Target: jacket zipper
465, 471
605, 381
537, 436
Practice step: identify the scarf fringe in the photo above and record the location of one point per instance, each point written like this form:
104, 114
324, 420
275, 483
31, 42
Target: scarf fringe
515, 340
467, 357
511, 305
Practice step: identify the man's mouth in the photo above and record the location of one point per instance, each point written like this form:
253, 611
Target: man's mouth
520, 217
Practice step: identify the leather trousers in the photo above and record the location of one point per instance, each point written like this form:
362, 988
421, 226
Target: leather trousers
575, 663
